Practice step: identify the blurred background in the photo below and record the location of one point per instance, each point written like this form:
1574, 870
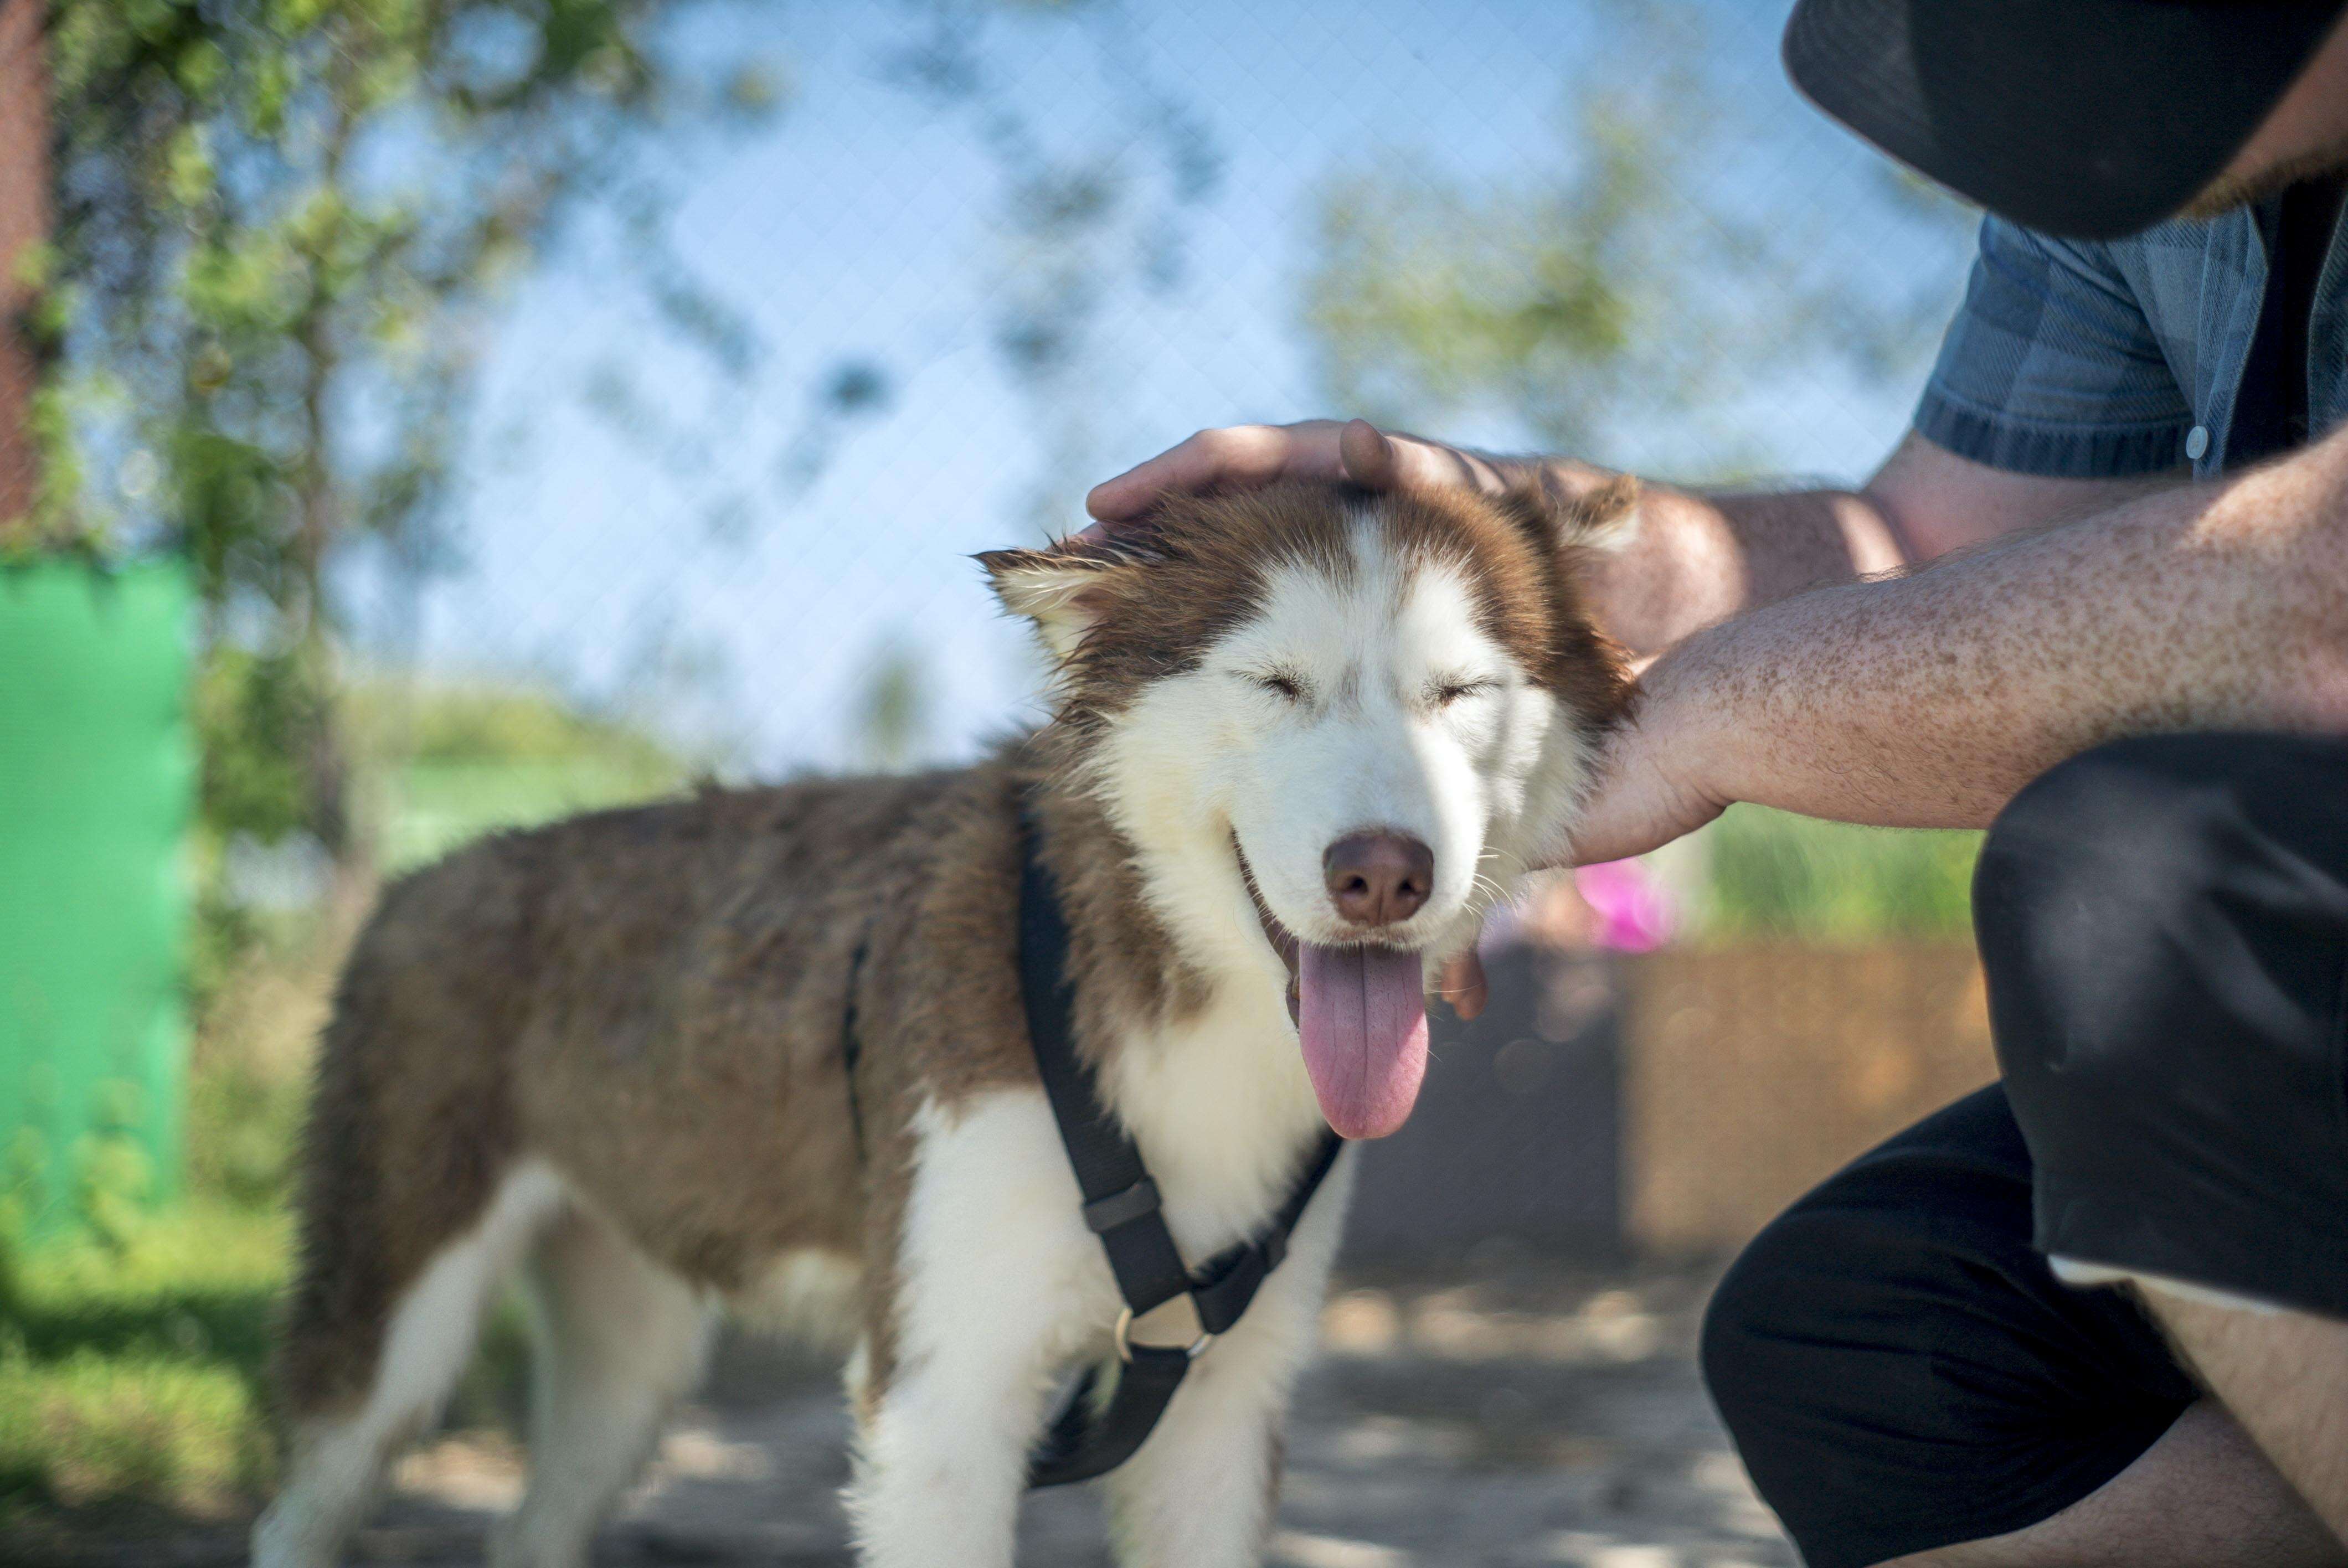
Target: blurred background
424, 416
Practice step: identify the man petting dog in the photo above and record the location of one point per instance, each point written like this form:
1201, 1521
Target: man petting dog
2129, 659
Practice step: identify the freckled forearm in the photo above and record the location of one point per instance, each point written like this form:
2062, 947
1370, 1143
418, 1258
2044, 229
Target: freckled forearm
1928, 700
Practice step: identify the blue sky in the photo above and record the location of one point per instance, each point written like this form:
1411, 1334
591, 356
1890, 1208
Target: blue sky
860, 223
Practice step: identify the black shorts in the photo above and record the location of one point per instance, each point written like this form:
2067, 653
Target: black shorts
2164, 924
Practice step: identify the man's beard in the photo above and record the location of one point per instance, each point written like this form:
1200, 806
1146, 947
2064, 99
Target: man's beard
2229, 191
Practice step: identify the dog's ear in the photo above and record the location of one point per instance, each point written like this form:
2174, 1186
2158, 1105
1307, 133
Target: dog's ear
1602, 519
1064, 590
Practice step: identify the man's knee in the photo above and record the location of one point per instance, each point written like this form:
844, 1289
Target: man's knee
2164, 924
1761, 1351
1814, 1321
2091, 883
1899, 1371
1741, 1330
2125, 828
1817, 1357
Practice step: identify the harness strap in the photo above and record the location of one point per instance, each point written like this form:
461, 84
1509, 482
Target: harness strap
1092, 1434
1120, 1200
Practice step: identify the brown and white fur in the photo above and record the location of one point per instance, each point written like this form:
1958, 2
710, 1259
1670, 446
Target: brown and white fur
607, 1054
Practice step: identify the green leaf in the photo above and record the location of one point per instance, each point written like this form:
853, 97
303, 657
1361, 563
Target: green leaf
188, 164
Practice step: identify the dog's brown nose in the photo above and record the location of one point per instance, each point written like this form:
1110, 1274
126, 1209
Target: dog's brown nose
1378, 878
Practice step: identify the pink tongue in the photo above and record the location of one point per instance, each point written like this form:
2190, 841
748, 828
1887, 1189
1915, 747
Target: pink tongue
1361, 1012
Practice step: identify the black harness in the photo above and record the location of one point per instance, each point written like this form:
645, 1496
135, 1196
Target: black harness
1089, 1438
1091, 1434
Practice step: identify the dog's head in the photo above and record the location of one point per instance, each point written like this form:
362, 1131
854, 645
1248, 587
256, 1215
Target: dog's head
1338, 725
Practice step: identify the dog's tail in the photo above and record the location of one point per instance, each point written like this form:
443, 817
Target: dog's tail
410, 1132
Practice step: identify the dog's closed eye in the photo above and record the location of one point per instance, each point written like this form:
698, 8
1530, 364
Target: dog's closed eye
1283, 683
1446, 690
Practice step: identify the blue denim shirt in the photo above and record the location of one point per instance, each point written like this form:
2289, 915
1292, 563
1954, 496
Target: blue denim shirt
2096, 360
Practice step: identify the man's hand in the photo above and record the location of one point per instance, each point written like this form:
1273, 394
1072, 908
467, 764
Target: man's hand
1695, 560
1649, 791
1651, 784
1242, 456
1928, 700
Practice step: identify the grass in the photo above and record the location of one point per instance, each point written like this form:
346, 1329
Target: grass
1768, 875
444, 805
134, 1355
132, 1368
452, 762
134, 1349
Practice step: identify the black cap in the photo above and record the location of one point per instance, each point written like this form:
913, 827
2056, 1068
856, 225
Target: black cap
2087, 118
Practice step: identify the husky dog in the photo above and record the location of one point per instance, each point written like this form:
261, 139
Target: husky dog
1302, 739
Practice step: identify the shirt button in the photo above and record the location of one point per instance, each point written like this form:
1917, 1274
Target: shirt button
2197, 440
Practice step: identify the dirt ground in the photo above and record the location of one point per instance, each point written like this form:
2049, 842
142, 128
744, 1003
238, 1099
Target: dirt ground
1537, 1416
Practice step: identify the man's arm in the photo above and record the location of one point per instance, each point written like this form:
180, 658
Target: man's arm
1927, 700
1698, 558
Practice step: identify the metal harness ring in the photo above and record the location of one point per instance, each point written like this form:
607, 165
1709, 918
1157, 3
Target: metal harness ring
1123, 1337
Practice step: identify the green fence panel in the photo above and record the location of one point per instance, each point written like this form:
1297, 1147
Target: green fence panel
96, 784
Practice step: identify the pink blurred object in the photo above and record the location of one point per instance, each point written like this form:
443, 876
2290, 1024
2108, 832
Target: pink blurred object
1631, 907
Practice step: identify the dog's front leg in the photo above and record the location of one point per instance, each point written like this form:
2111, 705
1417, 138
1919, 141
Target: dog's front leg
996, 1277
1201, 1491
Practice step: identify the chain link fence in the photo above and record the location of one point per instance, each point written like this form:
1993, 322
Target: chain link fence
547, 406
975, 258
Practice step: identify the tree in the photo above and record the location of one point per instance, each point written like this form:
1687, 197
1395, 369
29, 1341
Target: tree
1072, 229
283, 230
892, 718
1624, 284
280, 227
24, 222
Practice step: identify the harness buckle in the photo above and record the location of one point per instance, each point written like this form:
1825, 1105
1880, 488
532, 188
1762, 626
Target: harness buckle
1121, 1208
1126, 1344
